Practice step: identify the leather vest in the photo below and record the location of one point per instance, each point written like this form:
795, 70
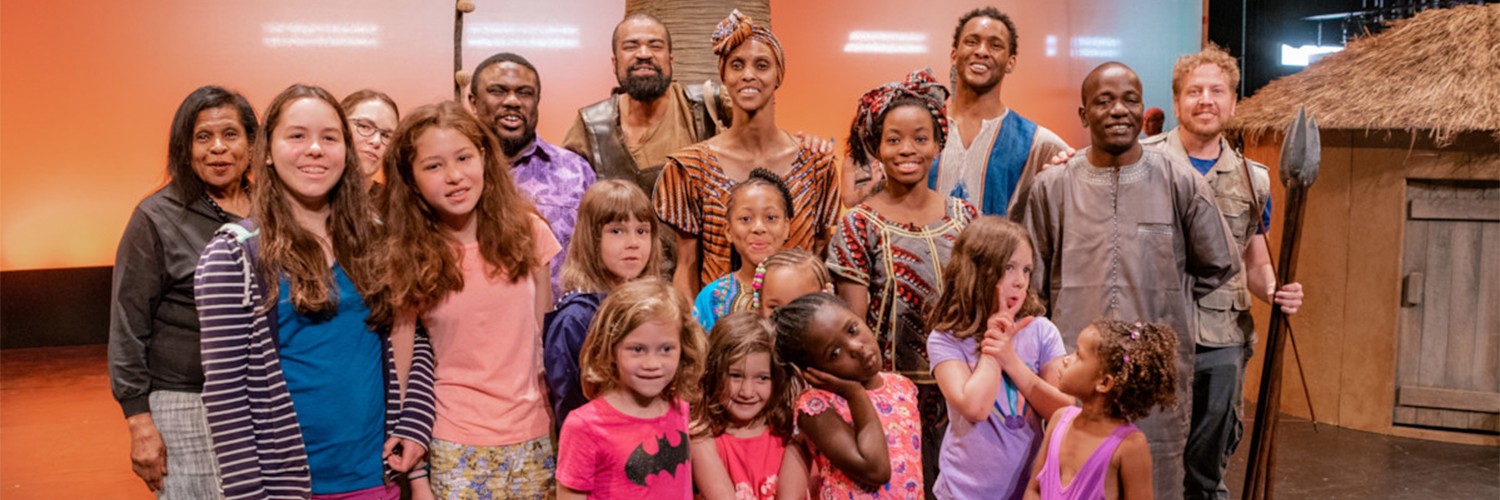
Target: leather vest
1224, 314
610, 157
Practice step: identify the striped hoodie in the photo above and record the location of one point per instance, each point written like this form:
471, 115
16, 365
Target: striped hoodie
255, 434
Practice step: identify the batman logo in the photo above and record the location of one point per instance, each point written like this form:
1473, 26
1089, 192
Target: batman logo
642, 465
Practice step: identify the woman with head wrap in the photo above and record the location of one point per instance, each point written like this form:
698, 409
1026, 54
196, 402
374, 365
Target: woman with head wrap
693, 193
154, 366
888, 251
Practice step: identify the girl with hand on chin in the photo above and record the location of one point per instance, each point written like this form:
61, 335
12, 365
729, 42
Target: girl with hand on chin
888, 252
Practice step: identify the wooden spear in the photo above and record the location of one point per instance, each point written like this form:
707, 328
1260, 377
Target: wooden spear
1300, 154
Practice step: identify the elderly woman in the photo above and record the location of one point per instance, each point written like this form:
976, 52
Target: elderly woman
693, 192
153, 325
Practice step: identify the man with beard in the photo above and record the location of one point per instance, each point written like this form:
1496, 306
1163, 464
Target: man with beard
505, 92
1126, 233
1203, 89
992, 152
629, 135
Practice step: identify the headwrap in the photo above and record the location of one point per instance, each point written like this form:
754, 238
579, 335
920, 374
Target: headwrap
864, 139
735, 30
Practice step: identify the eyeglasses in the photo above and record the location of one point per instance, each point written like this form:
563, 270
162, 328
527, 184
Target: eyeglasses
365, 129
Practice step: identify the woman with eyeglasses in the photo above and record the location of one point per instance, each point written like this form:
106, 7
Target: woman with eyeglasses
373, 117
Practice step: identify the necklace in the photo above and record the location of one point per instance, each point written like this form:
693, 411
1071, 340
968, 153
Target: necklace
219, 211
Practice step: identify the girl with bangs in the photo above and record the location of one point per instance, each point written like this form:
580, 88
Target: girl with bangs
467, 259
742, 428
996, 360
615, 242
641, 365
299, 392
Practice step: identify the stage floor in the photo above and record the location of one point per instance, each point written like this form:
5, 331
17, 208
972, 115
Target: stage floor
62, 436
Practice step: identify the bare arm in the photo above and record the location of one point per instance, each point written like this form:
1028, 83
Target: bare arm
856, 294
791, 482
566, 493
1260, 277
403, 342
972, 393
541, 276
709, 474
1134, 462
1040, 390
685, 276
859, 450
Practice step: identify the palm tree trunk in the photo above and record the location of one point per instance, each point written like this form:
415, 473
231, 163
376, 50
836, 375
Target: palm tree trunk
691, 23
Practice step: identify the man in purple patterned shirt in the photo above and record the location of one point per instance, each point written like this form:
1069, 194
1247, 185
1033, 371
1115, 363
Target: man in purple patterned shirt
505, 92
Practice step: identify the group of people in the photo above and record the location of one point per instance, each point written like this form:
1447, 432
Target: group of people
338, 301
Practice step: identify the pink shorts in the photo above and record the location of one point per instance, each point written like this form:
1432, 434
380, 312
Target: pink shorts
383, 492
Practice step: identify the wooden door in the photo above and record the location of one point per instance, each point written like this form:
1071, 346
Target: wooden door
1448, 359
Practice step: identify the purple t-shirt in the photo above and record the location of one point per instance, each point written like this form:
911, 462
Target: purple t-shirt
992, 458
555, 178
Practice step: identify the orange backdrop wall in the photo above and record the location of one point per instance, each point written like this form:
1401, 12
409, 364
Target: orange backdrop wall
87, 89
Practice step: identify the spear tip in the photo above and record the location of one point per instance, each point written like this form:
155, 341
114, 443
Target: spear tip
1301, 150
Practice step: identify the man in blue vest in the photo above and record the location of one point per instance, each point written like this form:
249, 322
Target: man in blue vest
992, 152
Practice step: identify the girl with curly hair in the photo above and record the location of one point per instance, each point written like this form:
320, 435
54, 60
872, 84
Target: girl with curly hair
1119, 373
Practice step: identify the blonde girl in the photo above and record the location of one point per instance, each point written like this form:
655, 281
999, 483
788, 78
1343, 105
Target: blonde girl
615, 241
744, 424
641, 364
467, 258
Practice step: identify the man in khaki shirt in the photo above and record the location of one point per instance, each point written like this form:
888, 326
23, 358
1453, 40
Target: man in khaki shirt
1203, 89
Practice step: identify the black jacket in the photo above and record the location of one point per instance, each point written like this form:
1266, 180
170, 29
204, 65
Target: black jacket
153, 322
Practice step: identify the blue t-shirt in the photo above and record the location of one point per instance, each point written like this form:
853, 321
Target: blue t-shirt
1203, 166
335, 371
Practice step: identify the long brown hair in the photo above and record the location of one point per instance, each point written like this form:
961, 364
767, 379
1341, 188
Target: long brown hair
607, 202
420, 259
288, 249
734, 337
628, 307
974, 267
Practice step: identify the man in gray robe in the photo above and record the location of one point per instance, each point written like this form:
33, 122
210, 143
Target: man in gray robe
1124, 232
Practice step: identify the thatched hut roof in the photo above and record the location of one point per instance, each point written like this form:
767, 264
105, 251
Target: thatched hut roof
1437, 72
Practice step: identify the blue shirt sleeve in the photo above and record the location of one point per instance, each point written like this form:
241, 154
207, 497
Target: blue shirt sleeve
562, 344
1265, 218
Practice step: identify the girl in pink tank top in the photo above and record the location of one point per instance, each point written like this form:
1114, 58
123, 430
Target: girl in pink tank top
1119, 373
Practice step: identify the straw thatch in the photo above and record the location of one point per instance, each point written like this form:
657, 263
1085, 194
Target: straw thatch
1437, 72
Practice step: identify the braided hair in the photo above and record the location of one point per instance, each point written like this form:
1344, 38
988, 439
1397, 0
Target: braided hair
759, 177
791, 322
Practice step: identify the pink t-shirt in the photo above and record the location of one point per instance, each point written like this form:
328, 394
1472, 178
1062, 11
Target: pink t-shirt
753, 463
488, 349
613, 455
896, 403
